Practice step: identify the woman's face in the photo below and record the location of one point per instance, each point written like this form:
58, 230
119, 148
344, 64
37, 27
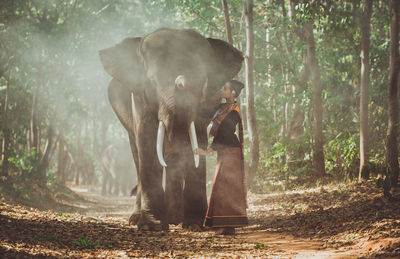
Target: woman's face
226, 91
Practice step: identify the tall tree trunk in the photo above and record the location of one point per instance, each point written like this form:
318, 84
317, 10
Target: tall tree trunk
6, 131
392, 131
319, 163
45, 161
34, 138
251, 120
79, 154
94, 144
305, 33
365, 67
228, 28
62, 159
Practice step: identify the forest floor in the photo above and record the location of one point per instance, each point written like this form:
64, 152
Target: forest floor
344, 221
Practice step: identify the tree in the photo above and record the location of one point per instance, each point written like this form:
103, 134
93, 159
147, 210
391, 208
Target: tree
249, 60
228, 28
306, 33
319, 160
6, 131
392, 131
364, 87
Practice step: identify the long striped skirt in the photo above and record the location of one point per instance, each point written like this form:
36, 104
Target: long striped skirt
227, 206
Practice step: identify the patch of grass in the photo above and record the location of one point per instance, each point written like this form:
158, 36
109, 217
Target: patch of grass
86, 242
300, 206
46, 238
260, 246
65, 215
285, 207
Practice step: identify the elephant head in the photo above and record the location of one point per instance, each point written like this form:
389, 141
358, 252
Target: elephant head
173, 76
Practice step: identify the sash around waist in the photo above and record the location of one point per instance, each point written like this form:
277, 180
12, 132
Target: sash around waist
229, 151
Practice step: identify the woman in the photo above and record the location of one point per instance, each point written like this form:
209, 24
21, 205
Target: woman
227, 206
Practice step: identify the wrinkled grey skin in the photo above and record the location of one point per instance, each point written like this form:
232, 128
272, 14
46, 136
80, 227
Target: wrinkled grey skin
147, 68
118, 169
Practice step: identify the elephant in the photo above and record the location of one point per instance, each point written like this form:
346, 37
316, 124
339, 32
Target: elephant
118, 169
164, 90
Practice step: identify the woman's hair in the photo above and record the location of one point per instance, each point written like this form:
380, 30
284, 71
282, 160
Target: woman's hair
236, 86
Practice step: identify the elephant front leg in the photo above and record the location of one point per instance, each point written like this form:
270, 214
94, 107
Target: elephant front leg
134, 218
195, 195
152, 202
174, 187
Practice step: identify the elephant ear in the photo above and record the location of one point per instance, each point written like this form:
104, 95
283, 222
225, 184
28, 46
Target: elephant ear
227, 62
123, 63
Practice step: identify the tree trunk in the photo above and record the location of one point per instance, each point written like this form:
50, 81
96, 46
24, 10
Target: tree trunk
392, 131
365, 71
62, 160
94, 144
251, 120
319, 163
6, 131
79, 154
34, 138
45, 161
228, 28
296, 128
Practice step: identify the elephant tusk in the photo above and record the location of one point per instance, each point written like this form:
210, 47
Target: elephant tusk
160, 143
193, 140
204, 91
209, 130
180, 82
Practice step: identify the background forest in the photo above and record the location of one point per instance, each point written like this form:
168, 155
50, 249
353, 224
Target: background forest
304, 64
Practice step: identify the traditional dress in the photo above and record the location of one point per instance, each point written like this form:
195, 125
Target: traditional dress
227, 206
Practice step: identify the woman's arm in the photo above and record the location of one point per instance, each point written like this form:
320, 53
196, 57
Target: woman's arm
202, 152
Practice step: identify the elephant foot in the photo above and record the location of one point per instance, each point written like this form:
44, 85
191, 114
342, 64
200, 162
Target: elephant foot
149, 227
193, 223
193, 227
147, 222
134, 219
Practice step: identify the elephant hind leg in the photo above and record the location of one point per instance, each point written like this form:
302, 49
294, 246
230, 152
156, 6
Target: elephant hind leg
134, 219
106, 181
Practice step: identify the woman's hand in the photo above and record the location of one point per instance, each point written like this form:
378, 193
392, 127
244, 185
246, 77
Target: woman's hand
202, 152
199, 151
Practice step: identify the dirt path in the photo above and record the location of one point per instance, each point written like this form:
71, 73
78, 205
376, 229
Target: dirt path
271, 244
101, 231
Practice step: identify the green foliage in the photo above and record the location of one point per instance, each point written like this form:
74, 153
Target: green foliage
53, 181
26, 164
343, 155
260, 246
86, 242
53, 47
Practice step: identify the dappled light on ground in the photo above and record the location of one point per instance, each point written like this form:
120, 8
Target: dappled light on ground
352, 221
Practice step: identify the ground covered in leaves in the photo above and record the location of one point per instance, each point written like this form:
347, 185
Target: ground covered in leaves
345, 221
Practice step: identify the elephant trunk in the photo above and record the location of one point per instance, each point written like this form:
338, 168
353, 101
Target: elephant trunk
177, 113
160, 143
